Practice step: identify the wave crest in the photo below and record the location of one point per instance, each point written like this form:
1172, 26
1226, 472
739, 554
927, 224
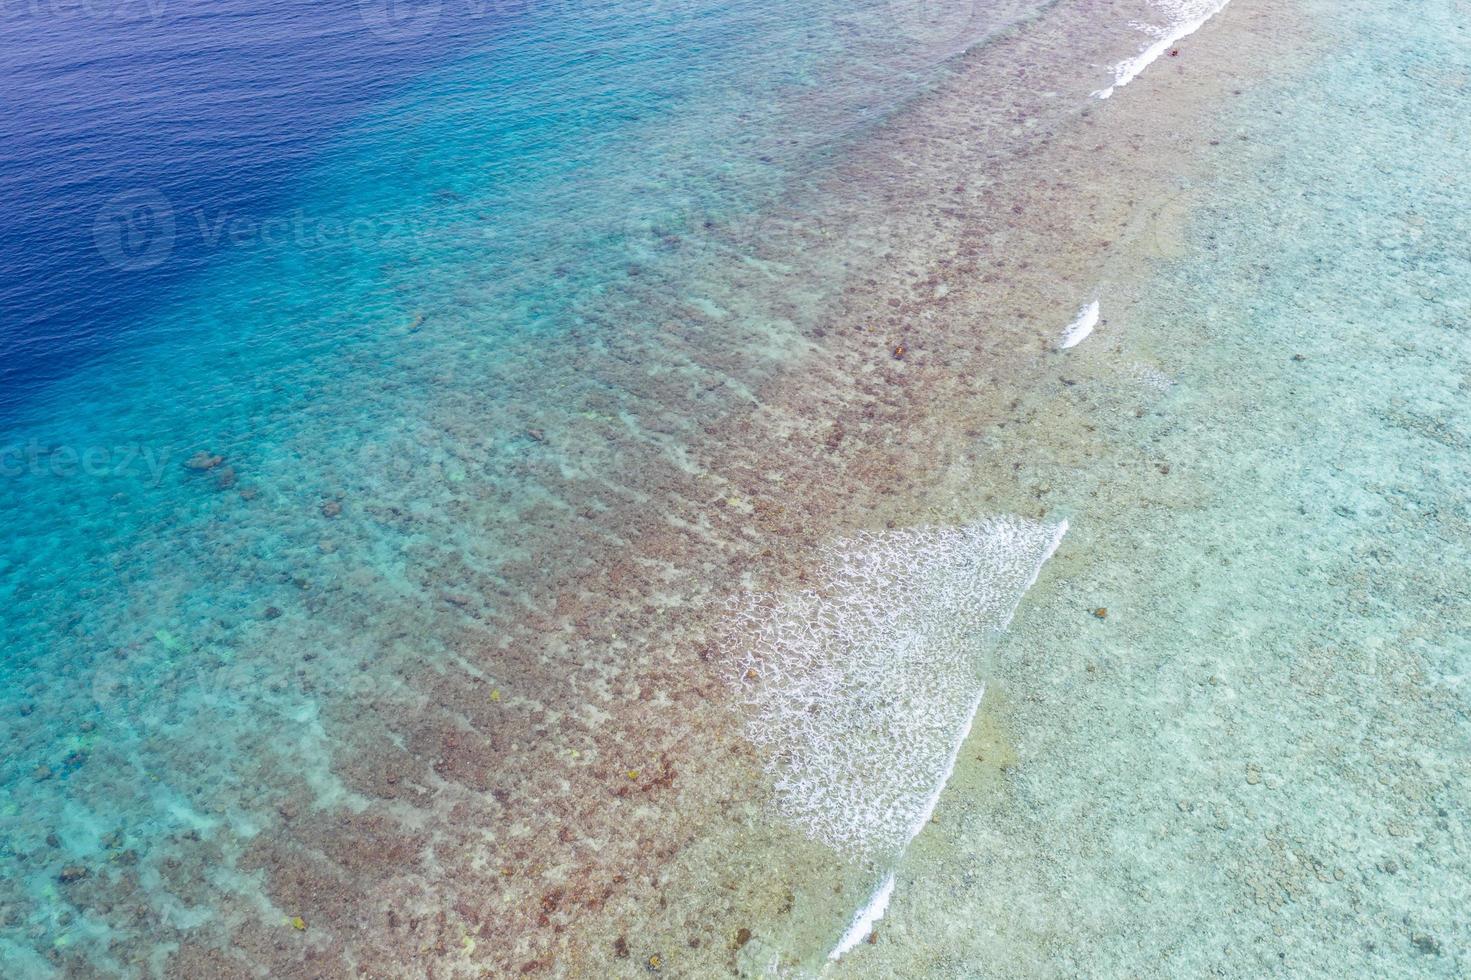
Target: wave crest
861, 688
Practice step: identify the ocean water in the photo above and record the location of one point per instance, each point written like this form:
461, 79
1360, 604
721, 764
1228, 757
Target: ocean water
394, 395
337, 344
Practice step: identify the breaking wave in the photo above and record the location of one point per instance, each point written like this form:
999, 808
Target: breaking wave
860, 688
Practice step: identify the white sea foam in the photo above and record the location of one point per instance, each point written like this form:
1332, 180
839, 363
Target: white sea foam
862, 688
863, 921
1081, 327
1185, 18
928, 810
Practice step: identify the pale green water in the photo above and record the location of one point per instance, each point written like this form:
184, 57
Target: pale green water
1259, 762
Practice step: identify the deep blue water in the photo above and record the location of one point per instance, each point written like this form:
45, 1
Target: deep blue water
134, 133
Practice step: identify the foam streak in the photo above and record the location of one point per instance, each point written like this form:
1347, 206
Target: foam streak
1081, 327
1126, 71
863, 921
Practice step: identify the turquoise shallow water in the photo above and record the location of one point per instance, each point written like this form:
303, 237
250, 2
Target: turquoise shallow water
384, 411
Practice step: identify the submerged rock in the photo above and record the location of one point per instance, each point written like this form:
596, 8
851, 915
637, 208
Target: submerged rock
1426, 944
202, 461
